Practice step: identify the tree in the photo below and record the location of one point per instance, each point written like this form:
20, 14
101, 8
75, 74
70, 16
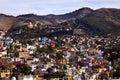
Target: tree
38, 24
117, 73
3, 67
26, 69
59, 55
62, 66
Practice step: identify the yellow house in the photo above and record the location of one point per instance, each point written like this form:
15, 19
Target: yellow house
4, 73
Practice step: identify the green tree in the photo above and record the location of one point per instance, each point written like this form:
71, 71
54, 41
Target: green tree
62, 66
26, 70
117, 73
59, 55
3, 67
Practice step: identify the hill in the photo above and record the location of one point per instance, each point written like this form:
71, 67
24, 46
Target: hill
6, 21
100, 21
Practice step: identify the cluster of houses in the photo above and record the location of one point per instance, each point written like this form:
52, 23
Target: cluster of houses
80, 58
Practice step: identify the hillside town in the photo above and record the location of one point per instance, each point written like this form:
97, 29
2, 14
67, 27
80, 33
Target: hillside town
65, 57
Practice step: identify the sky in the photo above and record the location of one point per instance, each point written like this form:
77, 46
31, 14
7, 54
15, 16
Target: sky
44, 7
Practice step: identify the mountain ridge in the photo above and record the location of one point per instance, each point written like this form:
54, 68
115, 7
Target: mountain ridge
103, 19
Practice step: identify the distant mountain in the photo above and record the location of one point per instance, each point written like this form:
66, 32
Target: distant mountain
54, 19
103, 20
6, 21
100, 21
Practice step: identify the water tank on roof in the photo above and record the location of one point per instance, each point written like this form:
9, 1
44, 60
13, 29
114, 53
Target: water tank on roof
43, 40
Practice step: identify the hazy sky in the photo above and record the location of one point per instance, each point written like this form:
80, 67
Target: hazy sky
43, 7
